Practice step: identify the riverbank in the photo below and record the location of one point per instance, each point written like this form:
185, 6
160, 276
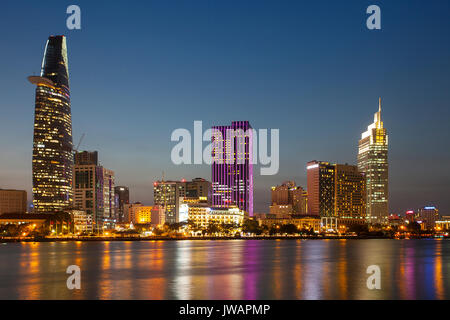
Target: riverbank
87, 239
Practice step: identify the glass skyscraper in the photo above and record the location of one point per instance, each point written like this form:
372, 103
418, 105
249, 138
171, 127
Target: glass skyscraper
52, 143
373, 161
232, 167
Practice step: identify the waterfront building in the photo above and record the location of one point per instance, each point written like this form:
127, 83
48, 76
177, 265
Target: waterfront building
302, 222
201, 215
13, 201
38, 220
169, 194
81, 221
52, 138
373, 161
232, 168
428, 215
158, 216
321, 192
350, 192
335, 190
443, 224
94, 191
142, 215
121, 197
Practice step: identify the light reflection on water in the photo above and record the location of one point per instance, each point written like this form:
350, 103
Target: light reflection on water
231, 269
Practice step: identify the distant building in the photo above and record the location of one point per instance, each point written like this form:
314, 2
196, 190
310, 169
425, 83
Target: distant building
94, 191
281, 209
428, 215
136, 213
158, 216
201, 215
13, 201
170, 193
410, 216
86, 157
350, 192
288, 199
373, 161
81, 221
336, 190
122, 197
232, 167
30, 218
443, 224
321, 192
302, 222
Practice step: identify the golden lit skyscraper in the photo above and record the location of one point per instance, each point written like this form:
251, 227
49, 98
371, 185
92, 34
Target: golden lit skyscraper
52, 143
373, 161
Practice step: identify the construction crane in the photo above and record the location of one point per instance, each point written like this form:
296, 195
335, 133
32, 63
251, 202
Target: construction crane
79, 143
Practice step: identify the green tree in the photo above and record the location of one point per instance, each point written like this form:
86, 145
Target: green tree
252, 227
289, 229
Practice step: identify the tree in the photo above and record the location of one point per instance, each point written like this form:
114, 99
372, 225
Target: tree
251, 226
289, 228
359, 229
414, 227
212, 228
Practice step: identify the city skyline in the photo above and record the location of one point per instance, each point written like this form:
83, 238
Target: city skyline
412, 184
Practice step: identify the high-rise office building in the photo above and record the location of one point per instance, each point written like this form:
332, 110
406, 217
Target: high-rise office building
349, 192
373, 161
13, 201
336, 190
122, 197
52, 142
320, 184
232, 167
94, 191
428, 216
165, 194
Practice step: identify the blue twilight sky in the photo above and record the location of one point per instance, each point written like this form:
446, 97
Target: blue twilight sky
140, 69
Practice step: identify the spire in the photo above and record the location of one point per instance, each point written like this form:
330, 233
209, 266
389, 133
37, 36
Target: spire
379, 105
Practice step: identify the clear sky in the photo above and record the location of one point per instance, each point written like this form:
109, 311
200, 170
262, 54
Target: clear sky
140, 69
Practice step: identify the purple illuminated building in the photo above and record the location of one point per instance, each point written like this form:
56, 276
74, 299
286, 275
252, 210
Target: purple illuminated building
232, 168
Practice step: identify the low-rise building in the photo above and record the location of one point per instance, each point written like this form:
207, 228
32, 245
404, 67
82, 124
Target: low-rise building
202, 215
13, 201
300, 221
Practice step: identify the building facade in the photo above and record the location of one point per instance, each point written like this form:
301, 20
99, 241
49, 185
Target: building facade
171, 194
350, 192
321, 183
373, 162
336, 190
202, 215
94, 192
288, 198
52, 139
428, 216
13, 201
122, 197
158, 217
232, 166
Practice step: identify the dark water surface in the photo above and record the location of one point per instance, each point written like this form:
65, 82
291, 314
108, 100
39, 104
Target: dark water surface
229, 269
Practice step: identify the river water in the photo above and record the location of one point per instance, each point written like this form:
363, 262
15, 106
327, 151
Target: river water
228, 269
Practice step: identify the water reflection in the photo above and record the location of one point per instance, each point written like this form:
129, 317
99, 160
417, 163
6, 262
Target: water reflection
234, 269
